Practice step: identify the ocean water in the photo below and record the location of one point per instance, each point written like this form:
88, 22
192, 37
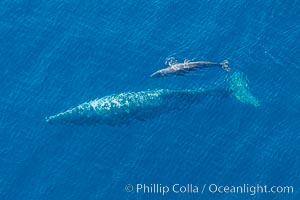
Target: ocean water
56, 55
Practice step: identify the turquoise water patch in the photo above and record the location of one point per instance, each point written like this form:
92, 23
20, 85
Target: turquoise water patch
240, 89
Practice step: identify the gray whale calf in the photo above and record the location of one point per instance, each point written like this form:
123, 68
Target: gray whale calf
122, 108
180, 69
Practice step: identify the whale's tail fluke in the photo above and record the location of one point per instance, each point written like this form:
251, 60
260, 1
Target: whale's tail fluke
240, 90
225, 65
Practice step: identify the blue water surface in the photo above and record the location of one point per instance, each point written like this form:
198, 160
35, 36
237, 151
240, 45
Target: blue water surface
57, 54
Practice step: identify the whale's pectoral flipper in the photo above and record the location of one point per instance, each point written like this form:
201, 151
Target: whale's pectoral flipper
225, 65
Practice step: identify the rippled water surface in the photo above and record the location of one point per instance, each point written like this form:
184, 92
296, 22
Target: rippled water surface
56, 55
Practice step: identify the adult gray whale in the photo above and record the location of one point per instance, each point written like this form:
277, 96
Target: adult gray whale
122, 108
180, 69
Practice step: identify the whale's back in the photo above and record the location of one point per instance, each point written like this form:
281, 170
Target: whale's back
112, 109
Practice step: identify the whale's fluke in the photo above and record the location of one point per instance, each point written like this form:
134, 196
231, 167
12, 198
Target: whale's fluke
225, 65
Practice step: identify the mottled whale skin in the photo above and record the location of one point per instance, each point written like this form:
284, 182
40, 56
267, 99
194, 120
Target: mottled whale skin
122, 108
180, 69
